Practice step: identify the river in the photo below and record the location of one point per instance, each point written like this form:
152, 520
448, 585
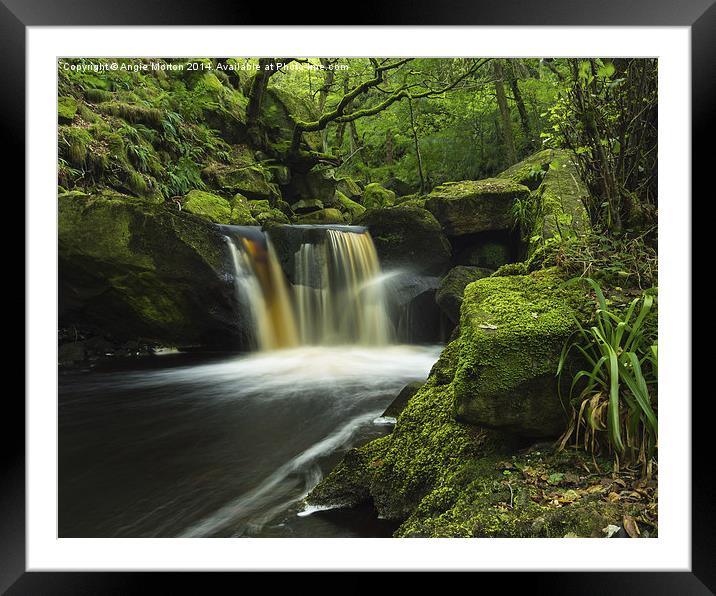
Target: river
223, 445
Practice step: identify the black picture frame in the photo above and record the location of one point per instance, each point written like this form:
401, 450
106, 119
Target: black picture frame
17, 15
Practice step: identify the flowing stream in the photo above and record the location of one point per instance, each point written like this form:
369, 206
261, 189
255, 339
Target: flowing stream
200, 445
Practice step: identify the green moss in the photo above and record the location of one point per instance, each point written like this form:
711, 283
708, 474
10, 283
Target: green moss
272, 216
97, 228
348, 187
375, 196
355, 209
512, 330
452, 286
97, 95
512, 269
484, 500
133, 113
87, 114
251, 181
322, 216
150, 298
397, 471
66, 108
560, 197
531, 170
137, 183
241, 214
74, 142
259, 206
209, 206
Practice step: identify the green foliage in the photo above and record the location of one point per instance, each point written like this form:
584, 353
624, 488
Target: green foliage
525, 211
181, 177
617, 400
628, 262
606, 112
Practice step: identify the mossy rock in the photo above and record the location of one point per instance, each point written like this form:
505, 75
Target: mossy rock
241, 212
322, 216
512, 330
66, 108
407, 237
452, 287
348, 205
348, 187
209, 206
560, 198
375, 196
401, 400
316, 184
259, 206
137, 270
474, 206
280, 174
396, 472
531, 170
251, 181
307, 206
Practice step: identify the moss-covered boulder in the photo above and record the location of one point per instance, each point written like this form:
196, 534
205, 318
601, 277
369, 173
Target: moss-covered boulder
136, 270
307, 206
348, 205
348, 187
560, 198
322, 216
452, 288
375, 196
252, 181
474, 206
241, 212
316, 184
512, 330
407, 237
531, 170
265, 213
66, 109
209, 206
401, 400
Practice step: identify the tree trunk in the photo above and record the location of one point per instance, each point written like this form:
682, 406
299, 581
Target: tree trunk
323, 95
389, 147
416, 141
507, 135
524, 119
267, 68
355, 141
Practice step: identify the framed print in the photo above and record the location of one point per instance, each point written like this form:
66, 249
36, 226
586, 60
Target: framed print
297, 294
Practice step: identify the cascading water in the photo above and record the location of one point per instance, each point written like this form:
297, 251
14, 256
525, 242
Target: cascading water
338, 295
238, 440
339, 292
260, 286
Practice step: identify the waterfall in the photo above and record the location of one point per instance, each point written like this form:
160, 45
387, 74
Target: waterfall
339, 291
260, 287
337, 296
